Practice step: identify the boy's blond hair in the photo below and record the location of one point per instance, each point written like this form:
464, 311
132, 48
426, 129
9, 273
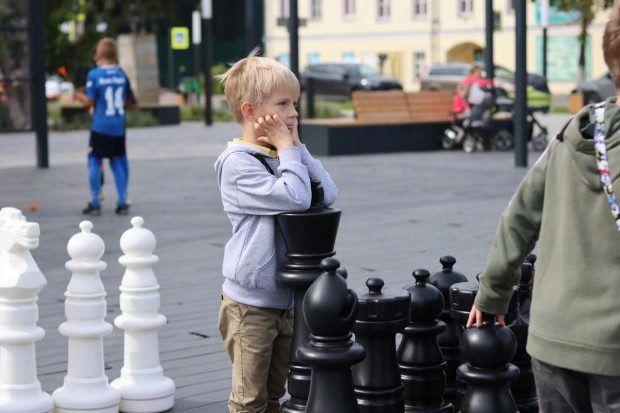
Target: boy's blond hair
611, 45
106, 49
254, 79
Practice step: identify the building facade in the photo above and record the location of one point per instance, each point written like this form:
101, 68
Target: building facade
403, 37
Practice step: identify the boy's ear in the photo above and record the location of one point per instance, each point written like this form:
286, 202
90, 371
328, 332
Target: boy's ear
248, 111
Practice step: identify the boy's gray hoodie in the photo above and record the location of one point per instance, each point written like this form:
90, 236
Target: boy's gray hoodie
252, 197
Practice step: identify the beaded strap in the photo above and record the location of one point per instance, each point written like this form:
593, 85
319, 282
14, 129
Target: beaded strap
601, 160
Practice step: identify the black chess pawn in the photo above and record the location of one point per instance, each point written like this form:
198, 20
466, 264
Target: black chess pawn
420, 360
309, 236
381, 315
450, 339
486, 351
330, 310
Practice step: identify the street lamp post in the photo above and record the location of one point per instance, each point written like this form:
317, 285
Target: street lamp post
37, 62
206, 38
520, 118
544, 22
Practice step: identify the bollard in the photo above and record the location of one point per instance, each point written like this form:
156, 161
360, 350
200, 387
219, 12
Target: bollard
449, 340
330, 310
486, 352
309, 237
21, 280
142, 384
376, 379
85, 386
419, 356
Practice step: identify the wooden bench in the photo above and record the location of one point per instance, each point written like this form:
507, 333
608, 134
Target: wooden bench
386, 121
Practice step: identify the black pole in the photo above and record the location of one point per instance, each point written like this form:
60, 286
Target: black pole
254, 25
206, 38
520, 117
293, 29
488, 51
544, 52
171, 84
37, 70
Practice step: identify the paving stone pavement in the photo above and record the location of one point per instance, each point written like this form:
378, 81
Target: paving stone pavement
400, 212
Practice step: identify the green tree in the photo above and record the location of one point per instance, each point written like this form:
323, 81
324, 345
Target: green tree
104, 18
587, 10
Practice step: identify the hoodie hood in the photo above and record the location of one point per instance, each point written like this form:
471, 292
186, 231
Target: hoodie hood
232, 148
579, 137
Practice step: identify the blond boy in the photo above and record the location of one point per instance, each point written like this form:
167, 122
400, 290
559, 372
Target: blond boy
264, 173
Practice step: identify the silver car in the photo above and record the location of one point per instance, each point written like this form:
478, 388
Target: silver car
596, 90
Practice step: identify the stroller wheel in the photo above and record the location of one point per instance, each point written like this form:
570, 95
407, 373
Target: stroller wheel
470, 143
503, 140
447, 143
539, 141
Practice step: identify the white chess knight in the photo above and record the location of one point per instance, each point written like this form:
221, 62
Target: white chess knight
143, 386
86, 387
21, 280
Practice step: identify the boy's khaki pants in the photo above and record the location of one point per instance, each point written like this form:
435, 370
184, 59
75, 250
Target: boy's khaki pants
258, 342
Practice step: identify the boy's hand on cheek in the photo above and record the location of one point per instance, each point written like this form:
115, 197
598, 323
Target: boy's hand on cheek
273, 131
295, 134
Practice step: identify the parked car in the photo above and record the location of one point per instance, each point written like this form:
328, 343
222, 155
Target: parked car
341, 79
596, 90
449, 75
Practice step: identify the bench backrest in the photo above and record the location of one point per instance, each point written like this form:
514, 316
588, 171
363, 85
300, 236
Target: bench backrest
430, 105
380, 106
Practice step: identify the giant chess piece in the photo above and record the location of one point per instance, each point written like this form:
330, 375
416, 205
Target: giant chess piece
86, 387
21, 280
449, 340
330, 310
419, 356
486, 351
524, 388
310, 237
381, 315
142, 384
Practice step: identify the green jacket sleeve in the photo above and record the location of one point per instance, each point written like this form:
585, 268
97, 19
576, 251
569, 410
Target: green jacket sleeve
516, 237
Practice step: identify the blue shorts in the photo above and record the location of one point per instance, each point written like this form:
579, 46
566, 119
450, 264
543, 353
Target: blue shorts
105, 146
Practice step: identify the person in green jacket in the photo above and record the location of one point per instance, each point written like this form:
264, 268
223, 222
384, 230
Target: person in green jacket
566, 205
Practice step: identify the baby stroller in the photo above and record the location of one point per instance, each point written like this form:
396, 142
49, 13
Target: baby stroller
473, 128
488, 125
537, 101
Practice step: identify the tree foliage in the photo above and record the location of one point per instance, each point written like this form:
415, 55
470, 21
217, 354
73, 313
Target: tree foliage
103, 18
587, 11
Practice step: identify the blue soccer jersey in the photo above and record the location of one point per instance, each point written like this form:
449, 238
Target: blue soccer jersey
107, 86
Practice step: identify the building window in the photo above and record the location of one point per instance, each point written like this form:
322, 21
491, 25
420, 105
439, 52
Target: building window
419, 8
314, 58
383, 9
348, 8
419, 65
349, 57
285, 59
466, 7
283, 8
315, 9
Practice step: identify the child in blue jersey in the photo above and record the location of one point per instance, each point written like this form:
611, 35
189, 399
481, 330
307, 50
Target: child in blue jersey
107, 91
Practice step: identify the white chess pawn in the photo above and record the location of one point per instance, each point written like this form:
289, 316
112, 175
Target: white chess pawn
142, 384
86, 386
21, 280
